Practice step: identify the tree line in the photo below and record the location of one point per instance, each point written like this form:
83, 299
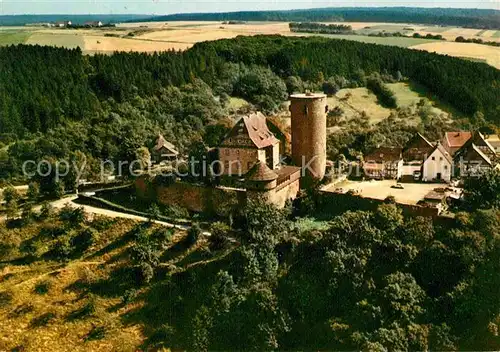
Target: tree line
472, 18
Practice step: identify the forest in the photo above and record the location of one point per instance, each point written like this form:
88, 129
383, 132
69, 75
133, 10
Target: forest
370, 280
311, 27
55, 101
472, 18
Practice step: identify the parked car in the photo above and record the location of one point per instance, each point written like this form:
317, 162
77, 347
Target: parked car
398, 186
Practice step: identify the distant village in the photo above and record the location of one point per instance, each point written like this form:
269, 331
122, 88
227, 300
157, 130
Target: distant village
70, 24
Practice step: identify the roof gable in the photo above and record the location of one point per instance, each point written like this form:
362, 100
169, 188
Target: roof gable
384, 154
418, 148
440, 150
161, 143
252, 131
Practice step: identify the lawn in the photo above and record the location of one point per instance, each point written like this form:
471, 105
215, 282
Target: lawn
355, 101
392, 41
66, 40
408, 95
13, 37
236, 103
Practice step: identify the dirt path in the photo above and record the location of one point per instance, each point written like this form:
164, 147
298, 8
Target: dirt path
61, 203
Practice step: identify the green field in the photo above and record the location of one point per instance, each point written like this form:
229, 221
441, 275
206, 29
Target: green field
13, 37
393, 41
437, 29
496, 35
70, 40
480, 34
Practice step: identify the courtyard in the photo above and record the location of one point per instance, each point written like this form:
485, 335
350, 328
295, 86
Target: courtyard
411, 194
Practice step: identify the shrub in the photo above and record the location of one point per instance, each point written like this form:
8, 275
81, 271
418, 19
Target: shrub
42, 320
129, 296
176, 212
42, 288
10, 194
146, 272
62, 248
86, 311
46, 212
193, 234
97, 333
85, 239
27, 214
219, 236
33, 191
52, 230
73, 217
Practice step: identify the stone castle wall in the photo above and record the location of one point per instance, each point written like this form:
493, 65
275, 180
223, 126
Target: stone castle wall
219, 200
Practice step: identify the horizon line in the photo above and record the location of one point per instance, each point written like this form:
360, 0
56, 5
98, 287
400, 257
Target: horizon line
255, 11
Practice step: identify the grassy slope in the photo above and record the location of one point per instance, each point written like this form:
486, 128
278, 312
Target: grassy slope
101, 275
363, 100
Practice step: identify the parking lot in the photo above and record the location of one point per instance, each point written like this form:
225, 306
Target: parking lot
411, 194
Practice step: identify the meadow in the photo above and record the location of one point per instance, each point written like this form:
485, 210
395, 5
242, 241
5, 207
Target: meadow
357, 101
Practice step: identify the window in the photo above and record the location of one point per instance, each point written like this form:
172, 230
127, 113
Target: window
226, 152
440, 158
446, 167
433, 158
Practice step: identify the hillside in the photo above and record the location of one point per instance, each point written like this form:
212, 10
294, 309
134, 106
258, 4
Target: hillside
361, 280
475, 18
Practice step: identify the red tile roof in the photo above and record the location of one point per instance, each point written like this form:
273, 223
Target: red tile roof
258, 131
457, 139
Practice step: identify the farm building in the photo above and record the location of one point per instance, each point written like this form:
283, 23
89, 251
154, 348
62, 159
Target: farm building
163, 150
384, 163
438, 165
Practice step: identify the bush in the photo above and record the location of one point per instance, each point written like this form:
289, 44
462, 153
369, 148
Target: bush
97, 333
146, 272
219, 236
42, 320
46, 212
52, 231
42, 288
10, 194
193, 234
129, 296
73, 217
384, 95
85, 239
33, 191
62, 248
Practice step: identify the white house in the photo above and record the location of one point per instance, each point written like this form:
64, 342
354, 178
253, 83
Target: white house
438, 166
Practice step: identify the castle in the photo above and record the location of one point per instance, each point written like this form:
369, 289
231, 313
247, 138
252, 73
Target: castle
251, 152
250, 162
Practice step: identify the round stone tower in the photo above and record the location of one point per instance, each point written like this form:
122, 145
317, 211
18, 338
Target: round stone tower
309, 133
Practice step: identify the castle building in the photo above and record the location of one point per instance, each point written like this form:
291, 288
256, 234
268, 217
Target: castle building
248, 142
249, 158
309, 134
